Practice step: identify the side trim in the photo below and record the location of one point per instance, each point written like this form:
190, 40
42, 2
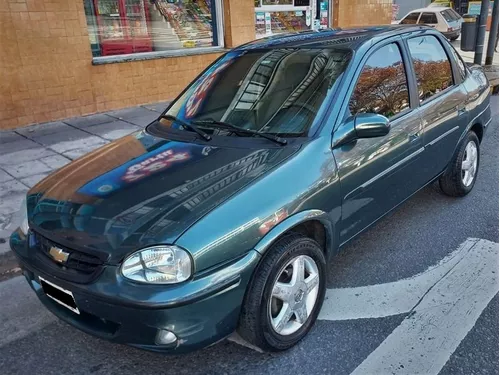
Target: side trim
384, 173
488, 123
436, 140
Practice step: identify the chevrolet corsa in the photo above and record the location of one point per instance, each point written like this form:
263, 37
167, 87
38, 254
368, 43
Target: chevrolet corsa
223, 214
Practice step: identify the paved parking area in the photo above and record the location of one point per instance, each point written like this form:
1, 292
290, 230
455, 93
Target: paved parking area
29, 154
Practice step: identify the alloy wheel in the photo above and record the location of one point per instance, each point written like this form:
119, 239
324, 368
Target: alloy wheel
469, 163
294, 295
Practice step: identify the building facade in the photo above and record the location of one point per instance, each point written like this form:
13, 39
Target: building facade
66, 58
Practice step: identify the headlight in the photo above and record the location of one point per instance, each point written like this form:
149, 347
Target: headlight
22, 219
158, 265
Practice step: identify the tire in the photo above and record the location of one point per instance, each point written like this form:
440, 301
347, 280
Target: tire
453, 181
256, 319
454, 38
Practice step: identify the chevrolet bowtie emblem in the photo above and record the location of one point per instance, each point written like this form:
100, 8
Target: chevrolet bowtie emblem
59, 255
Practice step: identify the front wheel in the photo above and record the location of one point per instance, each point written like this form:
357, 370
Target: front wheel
286, 294
461, 174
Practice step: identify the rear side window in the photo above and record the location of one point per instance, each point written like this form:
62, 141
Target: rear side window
428, 18
410, 19
382, 86
431, 64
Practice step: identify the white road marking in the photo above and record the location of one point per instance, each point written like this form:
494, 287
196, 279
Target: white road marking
21, 311
426, 339
376, 301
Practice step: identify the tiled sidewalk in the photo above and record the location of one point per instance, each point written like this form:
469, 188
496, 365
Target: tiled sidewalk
29, 154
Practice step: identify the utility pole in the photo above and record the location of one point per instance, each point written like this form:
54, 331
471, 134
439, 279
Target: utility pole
490, 51
481, 32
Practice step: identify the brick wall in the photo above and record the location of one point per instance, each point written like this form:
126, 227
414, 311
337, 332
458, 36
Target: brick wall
47, 72
362, 12
46, 62
239, 22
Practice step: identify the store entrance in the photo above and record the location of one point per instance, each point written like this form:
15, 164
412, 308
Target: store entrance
283, 16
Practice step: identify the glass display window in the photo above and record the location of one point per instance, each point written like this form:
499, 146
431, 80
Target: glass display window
285, 16
118, 27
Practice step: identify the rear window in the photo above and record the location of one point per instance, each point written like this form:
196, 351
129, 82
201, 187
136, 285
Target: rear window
450, 15
410, 19
455, 14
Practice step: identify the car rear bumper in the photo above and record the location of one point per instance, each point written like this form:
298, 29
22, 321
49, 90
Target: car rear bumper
451, 34
198, 317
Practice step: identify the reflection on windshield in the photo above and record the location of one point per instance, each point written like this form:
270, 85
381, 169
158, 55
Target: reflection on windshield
276, 91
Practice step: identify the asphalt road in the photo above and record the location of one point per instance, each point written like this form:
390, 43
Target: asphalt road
416, 236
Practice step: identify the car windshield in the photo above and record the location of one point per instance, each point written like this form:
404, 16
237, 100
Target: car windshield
273, 91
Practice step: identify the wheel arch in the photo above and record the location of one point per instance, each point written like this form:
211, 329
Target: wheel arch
315, 224
479, 130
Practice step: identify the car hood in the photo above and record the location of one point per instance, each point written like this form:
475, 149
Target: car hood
141, 190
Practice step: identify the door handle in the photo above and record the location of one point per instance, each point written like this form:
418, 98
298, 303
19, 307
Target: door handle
461, 110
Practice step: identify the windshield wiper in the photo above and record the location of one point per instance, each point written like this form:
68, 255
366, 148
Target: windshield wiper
236, 129
187, 125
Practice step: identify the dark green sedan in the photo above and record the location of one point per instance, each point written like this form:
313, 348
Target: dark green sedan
224, 213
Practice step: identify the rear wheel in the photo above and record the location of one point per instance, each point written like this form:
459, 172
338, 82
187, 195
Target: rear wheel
286, 294
461, 174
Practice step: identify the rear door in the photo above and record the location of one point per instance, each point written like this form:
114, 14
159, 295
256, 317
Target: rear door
442, 100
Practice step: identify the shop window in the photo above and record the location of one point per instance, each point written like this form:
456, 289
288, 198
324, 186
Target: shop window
121, 27
285, 16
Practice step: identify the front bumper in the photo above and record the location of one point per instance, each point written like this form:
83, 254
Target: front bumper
199, 312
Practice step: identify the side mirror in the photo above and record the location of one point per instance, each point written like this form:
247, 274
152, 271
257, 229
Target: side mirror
370, 125
363, 125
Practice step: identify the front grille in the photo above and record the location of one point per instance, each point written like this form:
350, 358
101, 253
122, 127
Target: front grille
79, 266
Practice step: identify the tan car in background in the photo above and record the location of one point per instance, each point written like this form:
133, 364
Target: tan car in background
443, 19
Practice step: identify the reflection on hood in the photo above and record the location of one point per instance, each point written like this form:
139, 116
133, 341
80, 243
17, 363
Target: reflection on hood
113, 203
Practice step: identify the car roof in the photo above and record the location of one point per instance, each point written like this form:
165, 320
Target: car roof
429, 9
350, 38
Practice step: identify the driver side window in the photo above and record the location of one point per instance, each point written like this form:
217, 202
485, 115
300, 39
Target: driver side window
382, 86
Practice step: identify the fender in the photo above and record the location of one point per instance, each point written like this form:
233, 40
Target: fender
476, 120
301, 217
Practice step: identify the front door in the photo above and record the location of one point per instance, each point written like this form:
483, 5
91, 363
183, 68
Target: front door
376, 174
